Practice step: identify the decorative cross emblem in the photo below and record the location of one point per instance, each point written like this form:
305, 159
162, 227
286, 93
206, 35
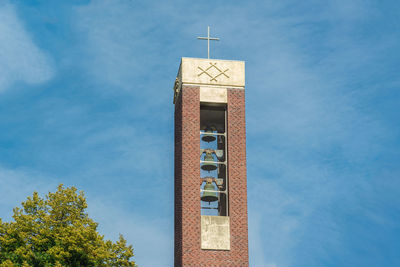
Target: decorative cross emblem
213, 76
208, 38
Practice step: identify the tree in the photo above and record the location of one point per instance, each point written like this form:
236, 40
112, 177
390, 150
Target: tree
56, 231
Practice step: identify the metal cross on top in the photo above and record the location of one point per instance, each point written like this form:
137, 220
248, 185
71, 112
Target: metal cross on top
208, 38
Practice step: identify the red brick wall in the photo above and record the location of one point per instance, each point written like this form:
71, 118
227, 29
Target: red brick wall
237, 176
187, 173
188, 250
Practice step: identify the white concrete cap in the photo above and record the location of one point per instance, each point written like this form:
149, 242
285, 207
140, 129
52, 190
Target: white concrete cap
210, 73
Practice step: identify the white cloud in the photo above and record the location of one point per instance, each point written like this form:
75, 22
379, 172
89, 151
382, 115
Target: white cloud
152, 239
113, 41
17, 185
20, 59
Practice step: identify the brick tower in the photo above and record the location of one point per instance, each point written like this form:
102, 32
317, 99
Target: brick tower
210, 164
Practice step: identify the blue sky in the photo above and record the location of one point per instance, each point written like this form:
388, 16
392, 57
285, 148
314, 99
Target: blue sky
86, 100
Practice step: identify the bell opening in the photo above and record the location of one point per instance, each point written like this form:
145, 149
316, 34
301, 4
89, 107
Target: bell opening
214, 182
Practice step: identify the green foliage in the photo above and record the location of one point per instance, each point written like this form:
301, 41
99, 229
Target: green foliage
56, 231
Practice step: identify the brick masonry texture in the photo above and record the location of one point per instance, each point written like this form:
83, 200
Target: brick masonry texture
187, 172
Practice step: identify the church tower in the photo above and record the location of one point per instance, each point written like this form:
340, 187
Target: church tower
210, 164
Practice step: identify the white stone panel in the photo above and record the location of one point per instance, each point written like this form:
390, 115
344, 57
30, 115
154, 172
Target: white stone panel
213, 94
215, 232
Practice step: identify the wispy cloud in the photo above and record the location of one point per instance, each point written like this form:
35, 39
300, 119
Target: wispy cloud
20, 59
149, 236
17, 184
117, 46
308, 112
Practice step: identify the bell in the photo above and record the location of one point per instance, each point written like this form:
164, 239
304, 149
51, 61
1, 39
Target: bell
209, 196
208, 136
208, 166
